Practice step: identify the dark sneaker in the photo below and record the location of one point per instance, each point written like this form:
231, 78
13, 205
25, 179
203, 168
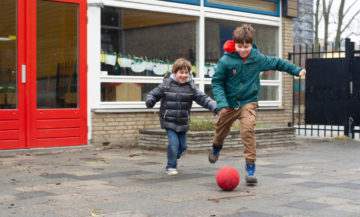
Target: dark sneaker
213, 158
250, 177
214, 153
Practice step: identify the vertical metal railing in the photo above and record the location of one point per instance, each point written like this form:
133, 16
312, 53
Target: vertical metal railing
298, 56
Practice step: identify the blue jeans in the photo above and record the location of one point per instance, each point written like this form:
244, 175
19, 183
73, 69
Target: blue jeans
177, 144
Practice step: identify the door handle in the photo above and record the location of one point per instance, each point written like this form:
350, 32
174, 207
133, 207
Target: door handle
23, 74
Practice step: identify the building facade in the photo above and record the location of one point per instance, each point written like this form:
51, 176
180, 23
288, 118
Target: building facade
76, 72
304, 24
132, 45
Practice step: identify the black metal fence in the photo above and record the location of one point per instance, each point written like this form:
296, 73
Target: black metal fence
316, 106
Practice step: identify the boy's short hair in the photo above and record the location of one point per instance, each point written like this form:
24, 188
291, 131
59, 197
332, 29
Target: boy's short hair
181, 63
244, 34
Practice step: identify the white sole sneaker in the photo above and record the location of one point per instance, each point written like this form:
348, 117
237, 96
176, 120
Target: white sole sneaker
171, 172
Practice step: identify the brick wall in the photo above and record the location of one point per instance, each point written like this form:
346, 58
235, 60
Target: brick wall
201, 141
287, 90
123, 128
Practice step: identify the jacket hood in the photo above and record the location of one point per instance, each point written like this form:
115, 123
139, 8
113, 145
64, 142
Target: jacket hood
172, 76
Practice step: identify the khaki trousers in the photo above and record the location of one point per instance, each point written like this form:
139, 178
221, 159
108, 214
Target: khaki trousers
247, 117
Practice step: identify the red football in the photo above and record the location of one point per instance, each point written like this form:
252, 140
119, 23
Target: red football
227, 178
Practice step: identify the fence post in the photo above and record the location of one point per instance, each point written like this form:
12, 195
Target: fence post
349, 52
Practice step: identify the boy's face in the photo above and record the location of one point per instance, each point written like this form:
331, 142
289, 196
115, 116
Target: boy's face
243, 49
182, 75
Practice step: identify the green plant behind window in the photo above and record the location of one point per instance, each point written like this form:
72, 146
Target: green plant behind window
205, 125
200, 125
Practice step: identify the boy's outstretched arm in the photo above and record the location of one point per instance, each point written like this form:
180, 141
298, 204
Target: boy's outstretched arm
218, 83
204, 100
276, 63
154, 96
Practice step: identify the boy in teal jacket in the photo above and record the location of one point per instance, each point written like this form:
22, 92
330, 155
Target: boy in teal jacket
236, 87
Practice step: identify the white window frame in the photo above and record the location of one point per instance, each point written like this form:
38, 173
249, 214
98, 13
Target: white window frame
95, 78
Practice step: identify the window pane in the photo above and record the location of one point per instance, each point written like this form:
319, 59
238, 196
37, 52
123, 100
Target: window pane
217, 32
253, 4
120, 92
269, 75
269, 93
194, 2
8, 72
57, 54
123, 92
208, 90
144, 43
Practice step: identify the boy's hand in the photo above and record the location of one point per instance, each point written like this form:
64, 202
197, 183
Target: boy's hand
149, 103
223, 111
302, 73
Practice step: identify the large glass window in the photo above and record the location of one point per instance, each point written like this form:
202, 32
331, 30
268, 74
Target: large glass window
114, 91
144, 43
269, 93
138, 48
193, 2
217, 32
57, 55
268, 7
8, 39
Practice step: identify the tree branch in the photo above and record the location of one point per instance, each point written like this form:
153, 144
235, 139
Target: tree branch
352, 18
349, 8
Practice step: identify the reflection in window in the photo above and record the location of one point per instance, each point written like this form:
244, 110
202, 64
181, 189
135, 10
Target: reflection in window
269, 6
217, 32
269, 93
57, 55
144, 43
118, 92
8, 87
208, 90
269, 75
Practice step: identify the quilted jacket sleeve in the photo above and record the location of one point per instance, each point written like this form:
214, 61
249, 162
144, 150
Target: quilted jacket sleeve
276, 63
204, 100
154, 96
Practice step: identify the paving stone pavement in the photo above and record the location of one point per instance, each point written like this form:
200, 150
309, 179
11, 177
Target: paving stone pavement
312, 178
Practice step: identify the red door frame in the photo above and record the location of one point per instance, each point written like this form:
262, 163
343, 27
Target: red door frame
55, 127
27, 126
12, 121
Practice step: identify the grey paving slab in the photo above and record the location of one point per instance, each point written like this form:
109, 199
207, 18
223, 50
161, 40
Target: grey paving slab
349, 185
307, 205
252, 214
314, 178
272, 166
33, 194
282, 175
314, 184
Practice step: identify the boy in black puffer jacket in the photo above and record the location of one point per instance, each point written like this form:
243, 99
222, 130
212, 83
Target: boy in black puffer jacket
177, 93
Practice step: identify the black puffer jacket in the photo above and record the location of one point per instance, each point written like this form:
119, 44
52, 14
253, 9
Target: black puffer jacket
176, 101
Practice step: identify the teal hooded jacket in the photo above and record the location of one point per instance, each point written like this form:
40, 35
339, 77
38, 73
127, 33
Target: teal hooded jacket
236, 83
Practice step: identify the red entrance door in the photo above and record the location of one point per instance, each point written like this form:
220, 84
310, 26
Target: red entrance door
48, 107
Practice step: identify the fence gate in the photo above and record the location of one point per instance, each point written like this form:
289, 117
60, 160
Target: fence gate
332, 93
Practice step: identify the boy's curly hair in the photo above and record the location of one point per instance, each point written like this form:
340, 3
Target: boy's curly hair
244, 34
180, 64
